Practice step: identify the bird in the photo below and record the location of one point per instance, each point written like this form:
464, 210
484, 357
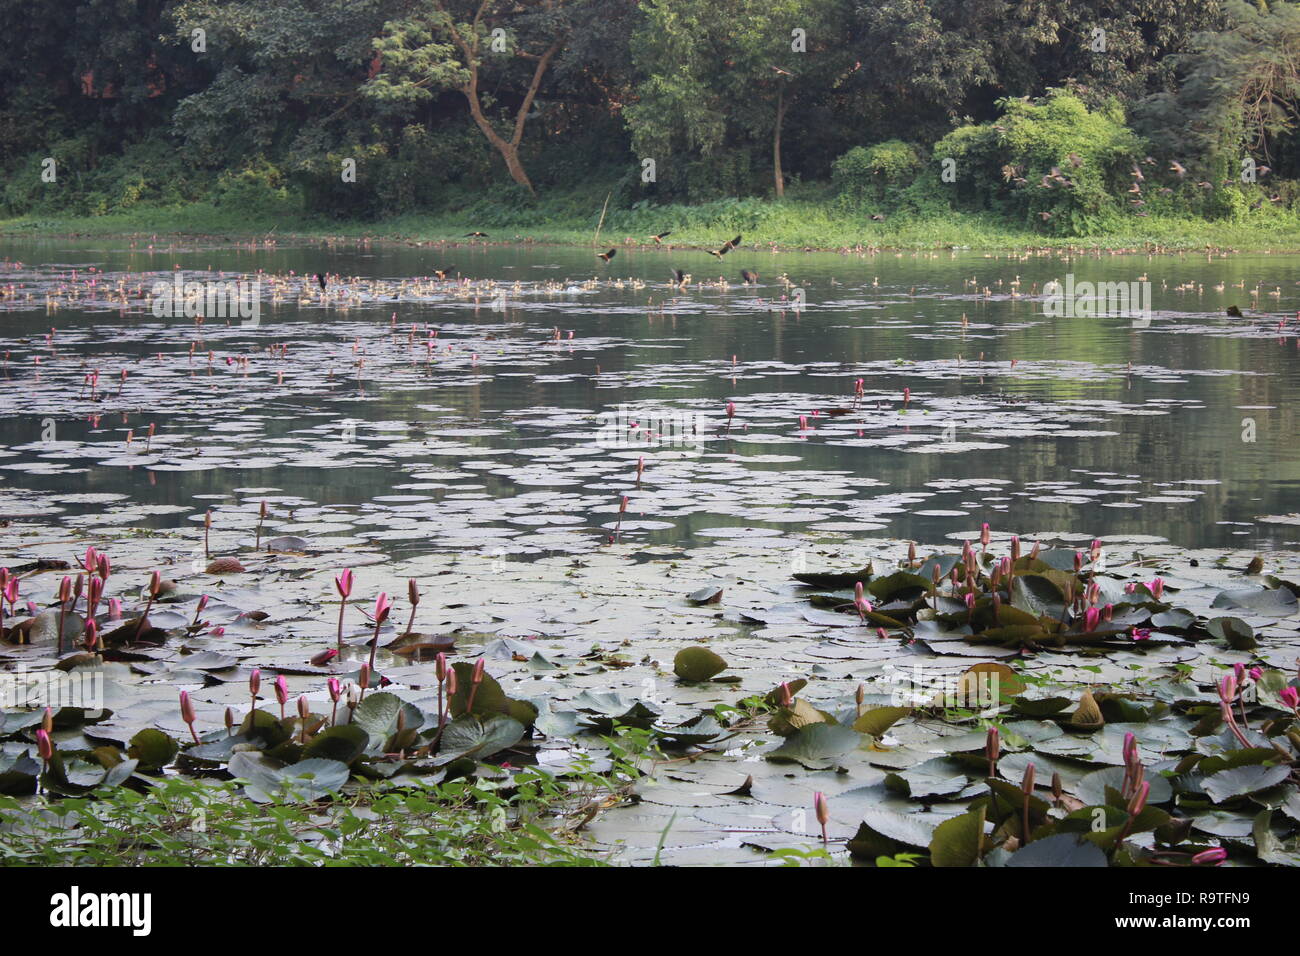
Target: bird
1137, 173
1044, 216
476, 235
1177, 168
726, 247
320, 278
681, 279
661, 237
1234, 312
878, 217
1075, 160
749, 278
782, 72
443, 273
607, 255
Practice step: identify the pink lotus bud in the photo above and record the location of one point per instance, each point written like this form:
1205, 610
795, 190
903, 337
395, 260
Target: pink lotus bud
335, 689
1255, 673
65, 589
92, 634
985, 536
882, 633
255, 681
1078, 561
114, 609
203, 602
1228, 689
451, 681
1096, 549
1139, 801
1290, 696
731, 410
344, 583
187, 707
155, 584
281, 689
217, 632
907, 395
783, 696
1108, 613
477, 676
324, 657
382, 607
413, 592
91, 560
993, 745
1157, 588
1130, 748
47, 720
970, 600
1015, 547
44, 746
440, 667
1027, 781
1215, 856
303, 710
1091, 617
821, 808
363, 678
105, 566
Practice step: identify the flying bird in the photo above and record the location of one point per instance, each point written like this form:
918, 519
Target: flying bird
443, 273
726, 247
606, 256
661, 237
476, 235
1177, 168
681, 279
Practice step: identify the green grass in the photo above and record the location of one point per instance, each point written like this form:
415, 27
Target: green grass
809, 220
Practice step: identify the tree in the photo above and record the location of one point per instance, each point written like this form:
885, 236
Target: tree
454, 44
722, 74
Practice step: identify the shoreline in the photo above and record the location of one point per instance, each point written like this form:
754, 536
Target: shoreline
840, 235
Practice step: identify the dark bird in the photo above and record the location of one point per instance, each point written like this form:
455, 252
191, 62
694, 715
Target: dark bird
750, 278
726, 247
476, 235
680, 278
1234, 312
1205, 185
443, 273
661, 237
782, 72
607, 255
320, 279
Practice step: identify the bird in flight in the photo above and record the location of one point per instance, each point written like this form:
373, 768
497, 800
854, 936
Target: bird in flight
1177, 168
443, 273
476, 235
661, 237
726, 247
606, 256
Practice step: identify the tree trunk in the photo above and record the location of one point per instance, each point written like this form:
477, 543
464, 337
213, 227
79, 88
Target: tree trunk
776, 144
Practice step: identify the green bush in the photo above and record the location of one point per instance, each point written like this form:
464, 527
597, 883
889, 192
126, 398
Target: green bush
1002, 165
875, 173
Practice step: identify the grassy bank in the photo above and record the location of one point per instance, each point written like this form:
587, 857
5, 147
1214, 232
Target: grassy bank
811, 223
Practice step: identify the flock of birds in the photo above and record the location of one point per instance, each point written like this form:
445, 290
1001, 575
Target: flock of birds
1054, 178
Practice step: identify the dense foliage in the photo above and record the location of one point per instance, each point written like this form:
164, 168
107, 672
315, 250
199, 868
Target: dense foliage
366, 108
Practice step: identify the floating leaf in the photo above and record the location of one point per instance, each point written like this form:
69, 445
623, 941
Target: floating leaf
697, 664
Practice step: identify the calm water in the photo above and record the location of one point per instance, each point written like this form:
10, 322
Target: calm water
1183, 428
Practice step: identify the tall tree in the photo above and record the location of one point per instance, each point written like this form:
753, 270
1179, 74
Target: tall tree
457, 44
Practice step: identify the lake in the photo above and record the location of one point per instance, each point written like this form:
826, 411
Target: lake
1178, 426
